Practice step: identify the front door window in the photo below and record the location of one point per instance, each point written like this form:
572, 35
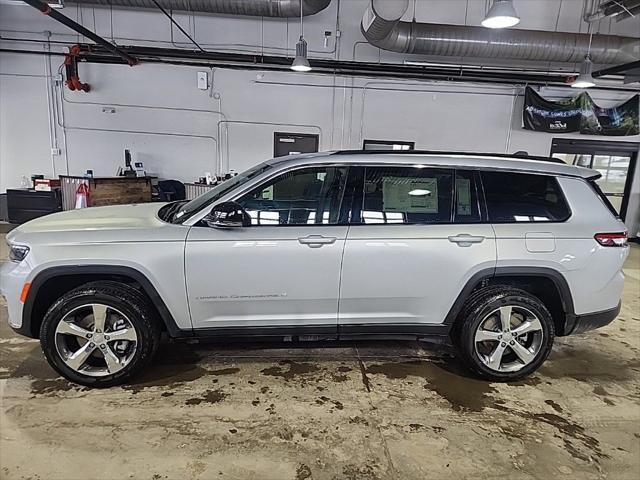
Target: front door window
301, 197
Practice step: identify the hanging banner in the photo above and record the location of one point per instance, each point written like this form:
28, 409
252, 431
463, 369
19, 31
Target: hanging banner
554, 117
620, 120
580, 114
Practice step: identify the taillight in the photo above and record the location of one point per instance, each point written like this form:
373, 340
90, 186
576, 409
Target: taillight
611, 239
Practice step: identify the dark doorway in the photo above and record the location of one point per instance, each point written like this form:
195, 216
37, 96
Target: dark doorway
293, 143
616, 161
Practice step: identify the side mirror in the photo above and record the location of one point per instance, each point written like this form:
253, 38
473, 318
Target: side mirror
228, 215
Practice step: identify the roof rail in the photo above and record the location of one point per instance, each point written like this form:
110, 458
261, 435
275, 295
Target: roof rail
439, 152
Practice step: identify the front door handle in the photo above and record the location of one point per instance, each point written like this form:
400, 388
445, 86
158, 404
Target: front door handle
316, 241
465, 240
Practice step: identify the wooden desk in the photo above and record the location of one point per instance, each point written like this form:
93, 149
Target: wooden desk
106, 190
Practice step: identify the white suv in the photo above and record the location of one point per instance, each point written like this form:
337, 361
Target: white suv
499, 254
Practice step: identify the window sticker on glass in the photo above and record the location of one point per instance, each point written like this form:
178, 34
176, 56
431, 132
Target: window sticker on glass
400, 195
463, 188
267, 193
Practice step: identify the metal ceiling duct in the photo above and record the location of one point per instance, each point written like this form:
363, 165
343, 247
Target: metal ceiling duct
382, 27
258, 8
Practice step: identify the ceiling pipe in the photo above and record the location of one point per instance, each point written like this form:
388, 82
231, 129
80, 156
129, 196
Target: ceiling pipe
47, 10
236, 61
257, 8
618, 69
326, 66
382, 27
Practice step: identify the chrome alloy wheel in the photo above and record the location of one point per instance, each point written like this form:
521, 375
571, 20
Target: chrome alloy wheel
96, 340
509, 338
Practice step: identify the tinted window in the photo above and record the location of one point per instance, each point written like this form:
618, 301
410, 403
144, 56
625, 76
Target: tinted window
519, 197
407, 195
301, 197
467, 209
197, 204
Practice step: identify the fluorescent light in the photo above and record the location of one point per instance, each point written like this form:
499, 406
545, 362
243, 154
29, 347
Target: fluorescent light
585, 79
418, 192
502, 14
301, 63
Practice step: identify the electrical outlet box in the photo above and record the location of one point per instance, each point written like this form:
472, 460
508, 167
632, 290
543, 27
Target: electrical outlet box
203, 82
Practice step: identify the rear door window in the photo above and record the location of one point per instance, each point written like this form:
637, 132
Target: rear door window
410, 195
521, 197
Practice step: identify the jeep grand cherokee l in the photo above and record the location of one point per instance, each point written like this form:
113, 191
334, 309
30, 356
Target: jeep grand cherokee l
498, 254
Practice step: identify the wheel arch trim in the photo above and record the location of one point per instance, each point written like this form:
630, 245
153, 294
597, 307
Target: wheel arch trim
77, 270
555, 276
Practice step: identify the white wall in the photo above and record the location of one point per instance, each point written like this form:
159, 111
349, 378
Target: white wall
181, 132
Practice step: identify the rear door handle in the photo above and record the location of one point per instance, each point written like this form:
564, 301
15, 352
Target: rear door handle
465, 240
316, 241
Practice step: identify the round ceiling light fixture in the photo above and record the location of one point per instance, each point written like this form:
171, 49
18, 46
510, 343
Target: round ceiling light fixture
502, 14
585, 79
301, 63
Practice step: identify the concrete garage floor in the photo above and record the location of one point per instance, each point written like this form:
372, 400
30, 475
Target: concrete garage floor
348, 411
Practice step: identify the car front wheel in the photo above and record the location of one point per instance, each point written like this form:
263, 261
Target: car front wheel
100, 334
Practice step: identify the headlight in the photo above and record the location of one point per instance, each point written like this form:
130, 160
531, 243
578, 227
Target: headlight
17, 253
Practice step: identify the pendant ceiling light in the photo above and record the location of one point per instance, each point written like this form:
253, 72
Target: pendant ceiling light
502, 14
301, 63
585, 79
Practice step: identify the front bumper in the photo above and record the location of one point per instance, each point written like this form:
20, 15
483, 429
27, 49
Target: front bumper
12, 279
591, 321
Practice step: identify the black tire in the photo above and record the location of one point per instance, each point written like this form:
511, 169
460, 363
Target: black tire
122, 297
478, 307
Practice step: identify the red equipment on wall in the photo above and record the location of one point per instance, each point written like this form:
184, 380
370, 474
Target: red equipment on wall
71, 69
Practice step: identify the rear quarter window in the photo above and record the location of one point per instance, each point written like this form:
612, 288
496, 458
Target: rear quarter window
596, 188
521, 197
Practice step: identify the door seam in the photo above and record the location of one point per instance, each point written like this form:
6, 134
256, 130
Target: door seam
344, 248
184, 275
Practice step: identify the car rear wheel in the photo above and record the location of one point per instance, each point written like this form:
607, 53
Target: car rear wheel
100, 334
504, 333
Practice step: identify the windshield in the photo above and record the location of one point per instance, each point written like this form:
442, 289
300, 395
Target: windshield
197, 204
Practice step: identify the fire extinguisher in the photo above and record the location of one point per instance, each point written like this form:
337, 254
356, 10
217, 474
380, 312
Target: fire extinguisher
82, 196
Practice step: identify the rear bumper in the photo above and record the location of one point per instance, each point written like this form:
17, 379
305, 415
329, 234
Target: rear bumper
590, 321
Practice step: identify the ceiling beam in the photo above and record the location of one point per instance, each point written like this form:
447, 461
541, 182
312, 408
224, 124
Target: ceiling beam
47, 10
631, 71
